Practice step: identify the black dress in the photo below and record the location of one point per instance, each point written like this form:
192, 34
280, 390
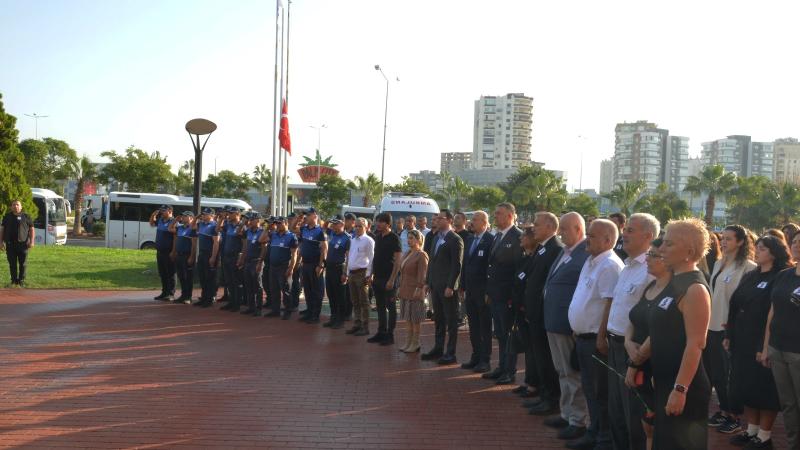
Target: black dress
638, 316
668, 342
752, 384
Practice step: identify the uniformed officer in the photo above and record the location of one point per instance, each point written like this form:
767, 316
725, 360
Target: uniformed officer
282, 260
350, 229
269, 227
221, 218
294, 222
252, 263
161, 219
313, 251
338, 248
231, 245
184, 253
207, 251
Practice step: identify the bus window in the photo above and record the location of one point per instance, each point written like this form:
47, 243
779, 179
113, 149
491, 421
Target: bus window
39, 221
56, 211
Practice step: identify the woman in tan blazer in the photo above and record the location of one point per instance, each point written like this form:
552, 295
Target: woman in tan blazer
410, 289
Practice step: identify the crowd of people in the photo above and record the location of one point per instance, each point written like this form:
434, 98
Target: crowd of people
625, 327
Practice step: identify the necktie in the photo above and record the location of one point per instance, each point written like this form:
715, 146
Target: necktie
497, 239
475, 241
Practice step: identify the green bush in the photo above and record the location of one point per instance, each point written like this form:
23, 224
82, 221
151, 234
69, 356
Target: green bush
99, 229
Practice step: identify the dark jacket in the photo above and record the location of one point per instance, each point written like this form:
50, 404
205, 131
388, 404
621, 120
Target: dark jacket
503, 264
562, 280
444, 268
543, 260
473, 274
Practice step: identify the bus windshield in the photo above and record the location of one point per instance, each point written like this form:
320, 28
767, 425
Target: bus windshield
56, 211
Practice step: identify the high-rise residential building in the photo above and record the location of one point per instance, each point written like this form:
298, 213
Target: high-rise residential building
429, 177
642, 151
453, 161
606, 176
787, 161
740, 154
502, 133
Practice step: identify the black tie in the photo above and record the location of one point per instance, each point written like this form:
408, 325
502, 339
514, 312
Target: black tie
497, 239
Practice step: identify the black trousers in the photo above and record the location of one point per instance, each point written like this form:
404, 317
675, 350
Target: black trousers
279, 287
166, 271
185, 271
296, 287
252, 285
234, 281
445, 317
387, 306
207, 275
542, 362
502, 318
312, 287
717, 362
267, 284
337, 292
17, 254
479, 316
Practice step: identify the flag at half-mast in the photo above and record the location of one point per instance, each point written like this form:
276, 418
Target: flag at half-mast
283, 136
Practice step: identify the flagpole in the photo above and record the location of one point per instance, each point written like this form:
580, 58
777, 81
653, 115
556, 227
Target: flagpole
276, 112
285, 175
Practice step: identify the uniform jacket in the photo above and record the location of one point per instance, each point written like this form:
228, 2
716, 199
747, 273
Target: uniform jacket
503, 264
559, 287
473, 274
444, 268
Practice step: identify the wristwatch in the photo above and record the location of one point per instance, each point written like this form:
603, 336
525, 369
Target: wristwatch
680, 388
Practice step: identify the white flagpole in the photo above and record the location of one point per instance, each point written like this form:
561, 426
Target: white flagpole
276, 109
281, 151
285, 175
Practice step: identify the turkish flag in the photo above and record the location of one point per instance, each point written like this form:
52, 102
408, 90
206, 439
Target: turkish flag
283, 136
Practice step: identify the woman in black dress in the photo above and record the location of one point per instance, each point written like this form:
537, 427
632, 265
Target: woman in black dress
752, 384
678, 323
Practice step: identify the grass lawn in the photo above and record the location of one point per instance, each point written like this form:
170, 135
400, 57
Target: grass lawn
60, 267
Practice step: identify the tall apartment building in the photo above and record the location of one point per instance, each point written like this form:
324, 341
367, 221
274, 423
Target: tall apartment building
642, 151
502, 133
606, 175
454, 161
787, 161
740, 154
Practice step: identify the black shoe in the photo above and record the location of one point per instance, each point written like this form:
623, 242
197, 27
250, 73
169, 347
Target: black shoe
758, 444
730, 426
530, 394
556, 422
273, 314
352, 330
528, 404
482, 368
429, 314
207, 304
248, 311
184, 300
741, 439
378, 337
227, 307
388, 339
313, 321
469, 365
223, 299
446, 360
571, 432
337, 325
361, 332
431, 355
505, 379
199, 302
328, 324
717, 419
520, 389
585, 442
493, 375
160, 296
544, 408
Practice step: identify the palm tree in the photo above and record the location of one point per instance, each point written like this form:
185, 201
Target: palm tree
628, 197
664, 204
85, 172
456, 191
541, 192
714, 182
786, 203
371, 187
262, 178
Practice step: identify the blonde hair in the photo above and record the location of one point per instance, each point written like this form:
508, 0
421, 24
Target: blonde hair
693, 233
418, 236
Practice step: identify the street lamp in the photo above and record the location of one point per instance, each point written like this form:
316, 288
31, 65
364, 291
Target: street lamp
385, 116
197, 128
319, 147
36, 118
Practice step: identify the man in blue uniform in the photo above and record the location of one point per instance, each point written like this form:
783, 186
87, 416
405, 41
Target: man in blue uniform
183, 253
207, 250
313, 251
231, 239
221, 218
338, 247
282, 259
161, 219
294, 222
252, 262
270, 225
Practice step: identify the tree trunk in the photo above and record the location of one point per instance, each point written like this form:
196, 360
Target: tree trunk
711, 202
76, 226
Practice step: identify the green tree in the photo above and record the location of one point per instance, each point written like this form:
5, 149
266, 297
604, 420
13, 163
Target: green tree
49, 161
628, 196
331, 194
86, 173
745, 200
262, 178
410, 186
539, 191
13, 184
714, 182
582, 204
228, 184
486, 197
456, 191
370, 186
137, 171
665, 205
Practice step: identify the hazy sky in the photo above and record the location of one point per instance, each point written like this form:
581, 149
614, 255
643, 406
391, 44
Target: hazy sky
116, 73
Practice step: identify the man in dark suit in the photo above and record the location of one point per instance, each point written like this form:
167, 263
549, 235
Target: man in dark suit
537, 356
473, 283
444, 273
504, 257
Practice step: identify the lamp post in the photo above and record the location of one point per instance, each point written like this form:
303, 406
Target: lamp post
197, 128
319, 148
36, 118
385, 116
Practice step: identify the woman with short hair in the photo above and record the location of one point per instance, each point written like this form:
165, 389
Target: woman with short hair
413, 270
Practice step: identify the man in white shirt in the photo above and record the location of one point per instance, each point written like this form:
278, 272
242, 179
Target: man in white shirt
410, 224
359, 270
422, 226
639, 231
588, 317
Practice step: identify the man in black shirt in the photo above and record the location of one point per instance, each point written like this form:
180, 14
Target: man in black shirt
385, 265
17, 236
619, 219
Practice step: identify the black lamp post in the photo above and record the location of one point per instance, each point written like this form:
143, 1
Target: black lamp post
197, 128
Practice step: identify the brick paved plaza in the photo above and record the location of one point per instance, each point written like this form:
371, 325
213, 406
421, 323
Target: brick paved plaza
118, 370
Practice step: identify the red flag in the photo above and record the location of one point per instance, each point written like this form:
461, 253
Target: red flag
283, 136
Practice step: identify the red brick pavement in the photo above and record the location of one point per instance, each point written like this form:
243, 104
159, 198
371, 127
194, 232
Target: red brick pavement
118, 370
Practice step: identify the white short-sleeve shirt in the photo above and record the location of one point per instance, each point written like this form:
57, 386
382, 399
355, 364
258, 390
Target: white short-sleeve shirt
631, 284
596, 283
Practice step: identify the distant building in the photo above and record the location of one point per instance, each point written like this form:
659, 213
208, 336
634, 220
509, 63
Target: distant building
430, 178
642, 151
694, 166
452, 161
502, 132
484, 177
606, 175
739, 154
787, 161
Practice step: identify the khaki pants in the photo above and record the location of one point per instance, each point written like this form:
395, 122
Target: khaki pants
359, 296
786, 370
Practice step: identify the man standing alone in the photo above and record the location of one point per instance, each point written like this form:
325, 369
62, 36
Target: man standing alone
17, 236
161, 219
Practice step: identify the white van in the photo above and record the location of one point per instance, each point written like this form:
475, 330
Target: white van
402, 204
50, 224
367, 212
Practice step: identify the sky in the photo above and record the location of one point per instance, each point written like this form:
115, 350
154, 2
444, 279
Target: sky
110, 74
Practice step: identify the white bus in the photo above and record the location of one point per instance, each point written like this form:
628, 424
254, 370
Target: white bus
368, 212
401, 204
128, 216
50, 224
